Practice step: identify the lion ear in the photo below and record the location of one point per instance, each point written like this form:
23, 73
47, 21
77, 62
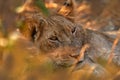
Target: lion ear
32, 24
39, 29
27, 29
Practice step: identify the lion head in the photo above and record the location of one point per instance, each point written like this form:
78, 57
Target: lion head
55, 35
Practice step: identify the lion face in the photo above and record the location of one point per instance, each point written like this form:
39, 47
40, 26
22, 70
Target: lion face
55, 35
57, 32
52, 32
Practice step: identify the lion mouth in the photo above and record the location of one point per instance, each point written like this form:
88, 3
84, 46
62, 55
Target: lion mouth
64, 56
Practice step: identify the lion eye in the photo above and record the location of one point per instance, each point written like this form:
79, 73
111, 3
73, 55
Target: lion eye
54, 38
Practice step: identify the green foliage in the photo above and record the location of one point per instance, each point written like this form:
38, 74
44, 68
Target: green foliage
40, 4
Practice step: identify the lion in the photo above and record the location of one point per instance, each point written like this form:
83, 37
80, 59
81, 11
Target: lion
62, 40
